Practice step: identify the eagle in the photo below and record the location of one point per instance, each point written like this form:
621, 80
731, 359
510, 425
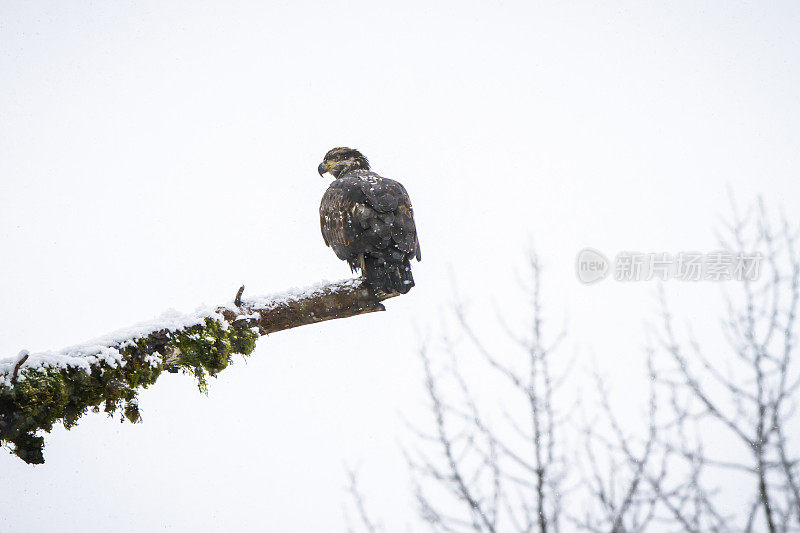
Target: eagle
368, 221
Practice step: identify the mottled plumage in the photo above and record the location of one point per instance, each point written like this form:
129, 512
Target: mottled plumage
368, 221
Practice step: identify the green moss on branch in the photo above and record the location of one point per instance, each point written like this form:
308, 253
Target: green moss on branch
38, 397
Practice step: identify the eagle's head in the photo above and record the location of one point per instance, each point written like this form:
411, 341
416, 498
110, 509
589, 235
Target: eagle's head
339, 161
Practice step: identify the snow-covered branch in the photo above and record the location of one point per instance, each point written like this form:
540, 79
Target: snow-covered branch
39, 389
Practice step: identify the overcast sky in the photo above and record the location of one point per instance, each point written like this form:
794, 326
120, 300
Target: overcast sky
156, 155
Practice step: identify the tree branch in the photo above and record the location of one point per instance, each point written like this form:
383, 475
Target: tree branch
38, 390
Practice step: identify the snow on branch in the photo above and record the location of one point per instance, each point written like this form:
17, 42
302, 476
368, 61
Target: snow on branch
39, 389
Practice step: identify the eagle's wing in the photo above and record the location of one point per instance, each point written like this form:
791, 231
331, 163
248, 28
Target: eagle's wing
336, 220
392, 212
368, 214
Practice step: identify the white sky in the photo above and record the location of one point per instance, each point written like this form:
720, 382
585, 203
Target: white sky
155, 155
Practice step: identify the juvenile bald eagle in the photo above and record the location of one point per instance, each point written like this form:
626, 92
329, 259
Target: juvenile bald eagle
367, 220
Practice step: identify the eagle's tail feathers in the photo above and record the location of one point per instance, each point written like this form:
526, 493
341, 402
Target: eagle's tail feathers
388, 276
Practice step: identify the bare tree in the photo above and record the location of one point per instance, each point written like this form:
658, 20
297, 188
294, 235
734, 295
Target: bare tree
745, 394
621, 490
727, 409
717, 422
364, 520
496, 477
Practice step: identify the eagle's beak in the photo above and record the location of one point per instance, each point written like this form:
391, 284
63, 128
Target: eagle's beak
323, 168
